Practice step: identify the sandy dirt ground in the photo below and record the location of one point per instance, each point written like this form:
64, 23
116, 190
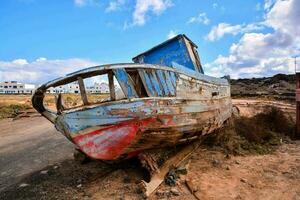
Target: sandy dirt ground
274, 176
27, 145
36, 163
250, 107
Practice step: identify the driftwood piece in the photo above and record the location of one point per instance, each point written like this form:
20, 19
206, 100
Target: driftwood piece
158, 176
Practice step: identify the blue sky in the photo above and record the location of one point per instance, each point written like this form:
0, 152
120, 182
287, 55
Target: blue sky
41, 39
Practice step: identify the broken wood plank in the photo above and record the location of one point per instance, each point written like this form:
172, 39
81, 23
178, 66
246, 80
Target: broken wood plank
126, 83
158, 177
82, 91
111, 86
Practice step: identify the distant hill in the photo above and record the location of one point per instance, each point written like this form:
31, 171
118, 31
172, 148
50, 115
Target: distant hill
280, 86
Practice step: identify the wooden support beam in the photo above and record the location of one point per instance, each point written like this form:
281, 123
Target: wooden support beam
111, 86
82, 91
158, 176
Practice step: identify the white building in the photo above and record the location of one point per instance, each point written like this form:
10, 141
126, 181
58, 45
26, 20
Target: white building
98, 88
14, 87
68, 88
73, 88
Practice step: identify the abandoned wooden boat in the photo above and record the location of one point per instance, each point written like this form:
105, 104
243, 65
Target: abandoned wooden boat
168, 101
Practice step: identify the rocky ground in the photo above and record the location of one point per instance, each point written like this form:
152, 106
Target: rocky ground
278, 87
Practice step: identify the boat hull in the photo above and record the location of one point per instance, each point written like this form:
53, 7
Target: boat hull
123, 129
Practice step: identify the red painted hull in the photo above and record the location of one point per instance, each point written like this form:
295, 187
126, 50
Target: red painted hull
128, 138
111, 142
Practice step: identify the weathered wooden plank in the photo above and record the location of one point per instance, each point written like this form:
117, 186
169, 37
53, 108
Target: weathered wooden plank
102, 69
82, 91
116, 113
173, 78
173, 162
170, 85
155, 82
111, 86
163, 82
147, 83
125, 82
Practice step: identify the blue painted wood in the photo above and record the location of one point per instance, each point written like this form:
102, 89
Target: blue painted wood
155, 82
202, 77
147, 83
76, 121
171, 88
102, 68
163, 82
173, 78
173, 51
125, 83
102, 115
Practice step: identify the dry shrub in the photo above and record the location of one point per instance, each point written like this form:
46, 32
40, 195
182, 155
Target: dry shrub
262, 127
12, 110
258, 134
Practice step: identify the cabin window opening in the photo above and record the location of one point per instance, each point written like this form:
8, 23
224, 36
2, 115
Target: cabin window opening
97, 89
138, 84
62, 97
69, 97
118, 90
49, 101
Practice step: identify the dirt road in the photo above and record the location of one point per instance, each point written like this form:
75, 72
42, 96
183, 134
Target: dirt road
27, 145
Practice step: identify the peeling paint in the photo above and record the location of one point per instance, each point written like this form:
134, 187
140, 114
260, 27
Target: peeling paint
164, 105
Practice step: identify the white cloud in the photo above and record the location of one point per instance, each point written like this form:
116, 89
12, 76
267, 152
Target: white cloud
284, 17
217, 32
201, 18
80, 2
115, 5
20, 62
268, 4
264, 54
144, 7
41, 59
41, 70
172, 34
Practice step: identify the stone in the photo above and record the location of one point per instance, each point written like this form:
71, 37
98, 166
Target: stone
44, 172
171, 178
181, 170
243, 180
23, 185
216, 163
175, 192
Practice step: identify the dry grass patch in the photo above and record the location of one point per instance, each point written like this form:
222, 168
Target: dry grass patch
12, 110
259, 134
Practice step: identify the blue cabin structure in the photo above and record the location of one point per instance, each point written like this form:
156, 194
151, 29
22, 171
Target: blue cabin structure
179, 50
